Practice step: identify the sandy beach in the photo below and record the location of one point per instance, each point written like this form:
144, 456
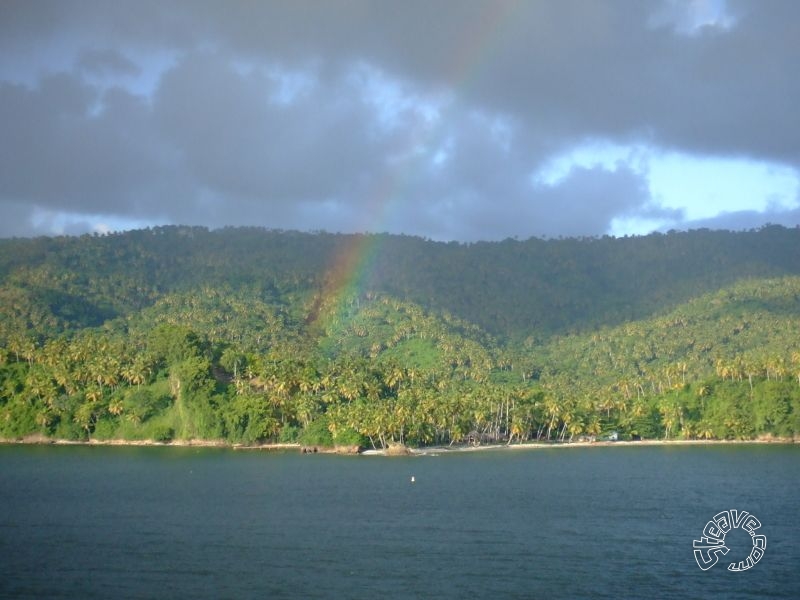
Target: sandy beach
437, 450
394, 450
36, 439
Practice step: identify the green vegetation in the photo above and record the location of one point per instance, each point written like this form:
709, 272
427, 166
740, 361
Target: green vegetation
251, 336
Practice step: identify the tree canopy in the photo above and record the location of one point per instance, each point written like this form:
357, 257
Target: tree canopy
251, 335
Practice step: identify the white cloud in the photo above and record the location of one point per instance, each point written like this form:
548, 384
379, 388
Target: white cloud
696, 187
694, 17
483, 120
704, 187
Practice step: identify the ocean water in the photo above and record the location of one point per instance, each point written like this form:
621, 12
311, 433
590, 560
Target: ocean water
610, 522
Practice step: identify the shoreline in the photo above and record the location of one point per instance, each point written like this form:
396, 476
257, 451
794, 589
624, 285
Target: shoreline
604, 444
39, 440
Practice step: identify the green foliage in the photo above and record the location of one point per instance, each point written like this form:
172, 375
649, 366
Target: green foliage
289, 434
161, 433
162, 428
248, 419
317, 433
67, 429
17, 418
772, 407
140, 404
349, 437
105, 429
246, 335
174, 344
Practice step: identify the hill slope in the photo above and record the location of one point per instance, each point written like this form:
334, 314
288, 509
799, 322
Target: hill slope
251, 335
511, 288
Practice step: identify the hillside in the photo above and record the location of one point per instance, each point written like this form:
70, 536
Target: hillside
510, 289
722, 365
250, 335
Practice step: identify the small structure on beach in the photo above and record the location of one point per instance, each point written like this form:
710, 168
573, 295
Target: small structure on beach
476, 438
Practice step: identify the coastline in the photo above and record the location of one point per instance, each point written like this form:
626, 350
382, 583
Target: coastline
40, 440
604, 444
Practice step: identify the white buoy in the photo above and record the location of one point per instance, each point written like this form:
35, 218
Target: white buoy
412, 479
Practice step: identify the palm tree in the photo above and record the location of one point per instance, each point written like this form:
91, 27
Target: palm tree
93, 394
575, 428
43, 418
553, 411
115, 407
594, 427
136, 372
705, 430
394, 377
85, 416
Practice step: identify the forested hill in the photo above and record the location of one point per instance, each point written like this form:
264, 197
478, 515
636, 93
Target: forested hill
249, 336
512, 289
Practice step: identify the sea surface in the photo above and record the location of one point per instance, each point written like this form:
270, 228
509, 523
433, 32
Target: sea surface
609, 522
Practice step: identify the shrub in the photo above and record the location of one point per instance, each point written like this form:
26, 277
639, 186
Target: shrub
317, 433
349, 437
289, 434
105, 429
67, 429
162, 433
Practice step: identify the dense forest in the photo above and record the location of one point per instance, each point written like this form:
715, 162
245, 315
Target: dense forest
254, 336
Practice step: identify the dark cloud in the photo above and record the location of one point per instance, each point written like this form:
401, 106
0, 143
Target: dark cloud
585, 203
107, 61
426, 117
67, 145
16, 221
237, 139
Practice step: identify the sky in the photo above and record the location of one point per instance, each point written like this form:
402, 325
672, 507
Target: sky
448, 119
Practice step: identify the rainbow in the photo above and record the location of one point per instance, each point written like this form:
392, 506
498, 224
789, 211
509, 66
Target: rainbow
349, 270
